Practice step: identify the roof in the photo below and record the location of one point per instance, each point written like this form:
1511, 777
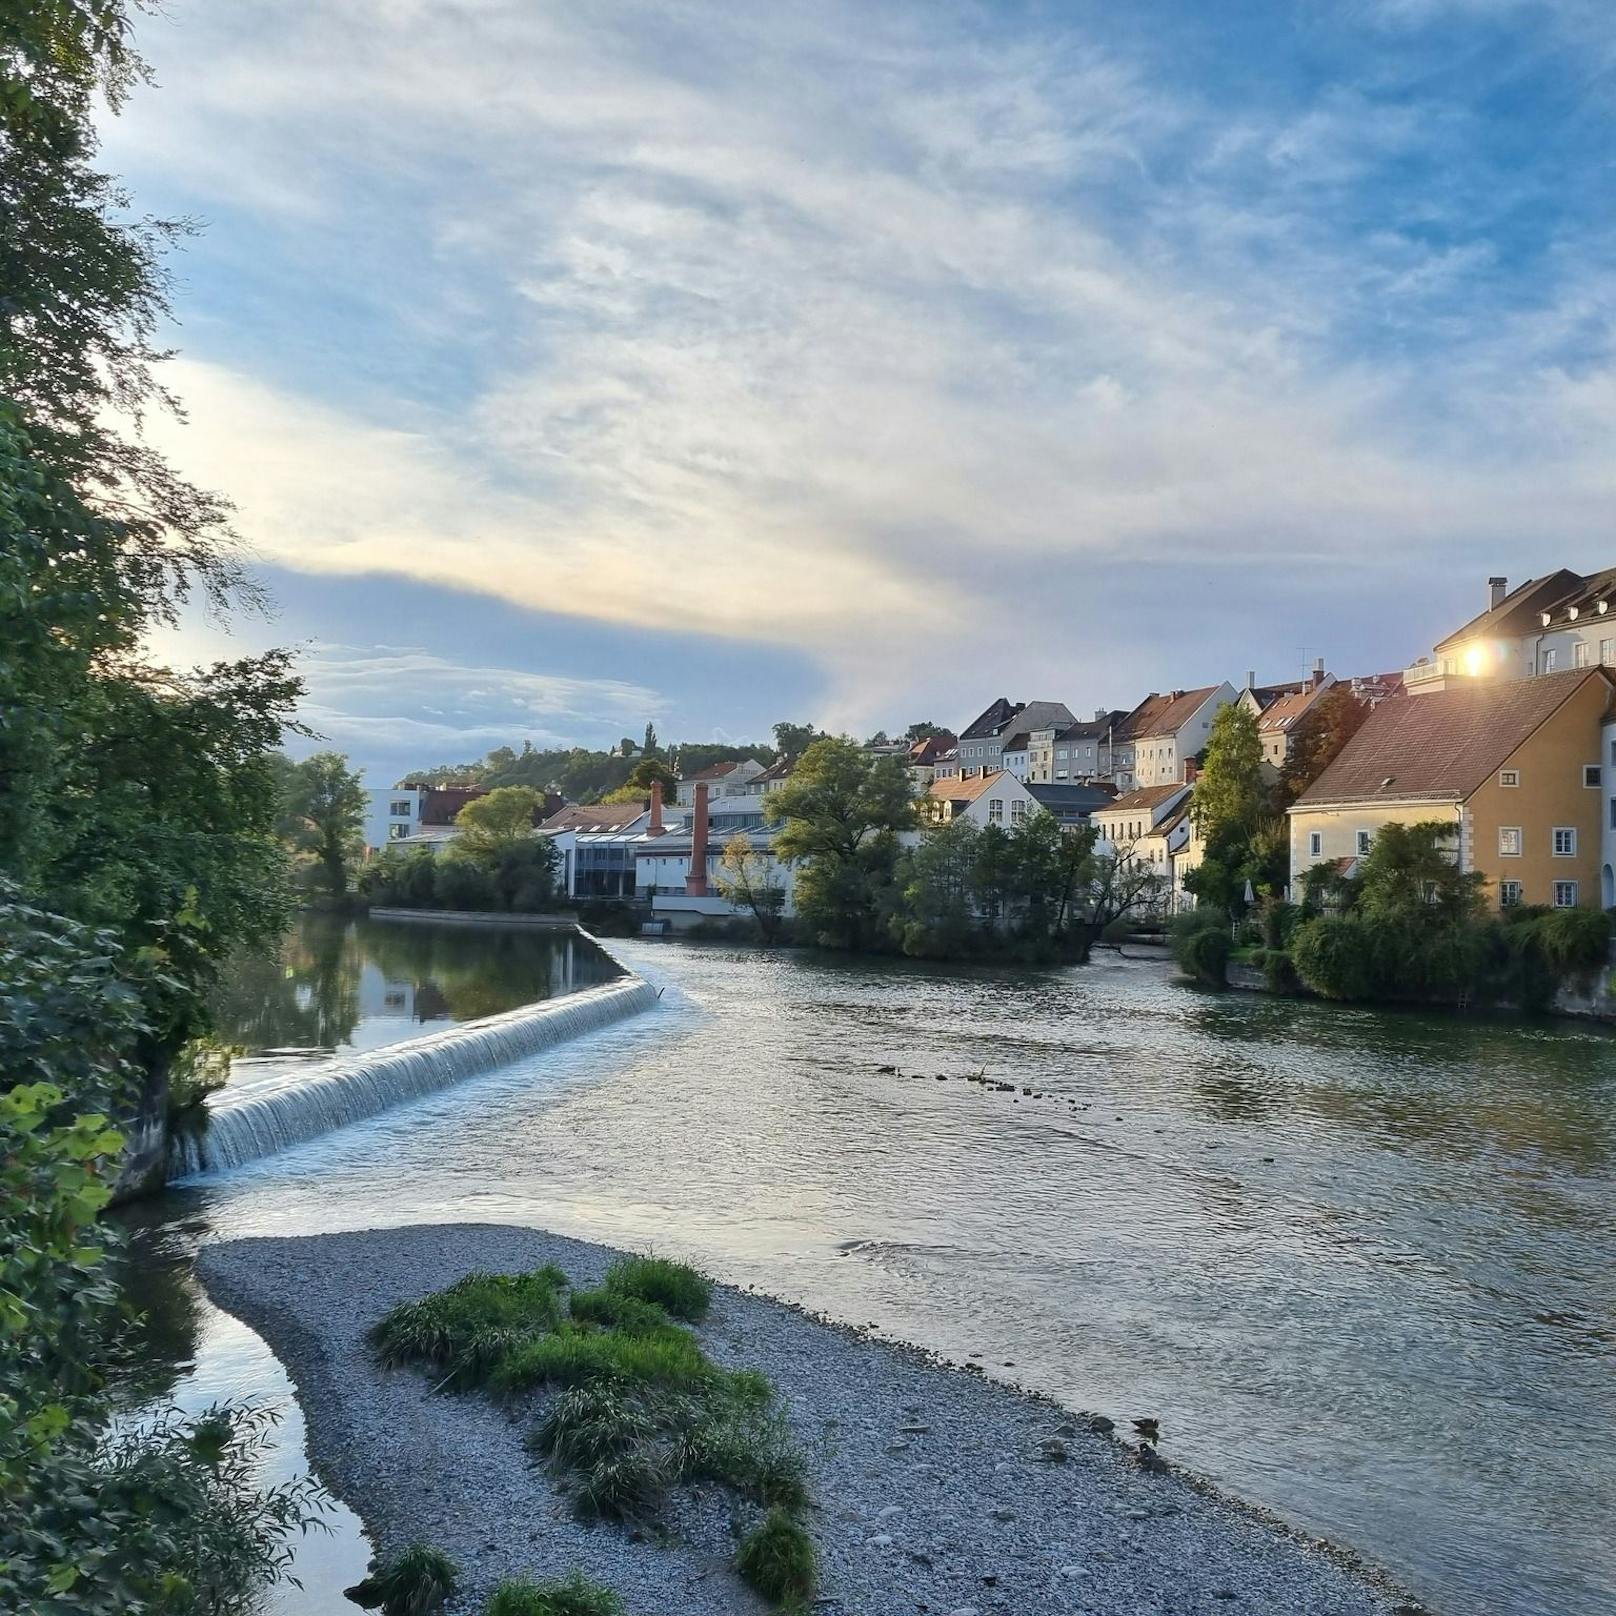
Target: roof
1284, 710
440, 804
958, 788
780, 769
1164, 714
1069, 798
713, 771
1151, 797
1521, 610
1440, 746
994, 718
1017, 742
595, 816
1041, 714
930, 749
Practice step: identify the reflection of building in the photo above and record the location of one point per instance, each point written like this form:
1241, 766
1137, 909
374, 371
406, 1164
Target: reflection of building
383, 996
1523, 769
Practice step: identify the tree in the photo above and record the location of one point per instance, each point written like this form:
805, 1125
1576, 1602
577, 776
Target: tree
650, 771
1120, 885
839, 816
327, 803
924, 730
938, 919
649, 746
1316, 742
880, 738
625, 747
749, 880
1234, 815
792, 740
490, 824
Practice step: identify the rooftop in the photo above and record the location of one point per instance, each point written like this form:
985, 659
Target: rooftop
1150, 797
1164, 714
596, 816
1440, 747
957, 788
1563, 595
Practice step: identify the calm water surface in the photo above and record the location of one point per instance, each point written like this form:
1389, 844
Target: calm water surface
1361, 1264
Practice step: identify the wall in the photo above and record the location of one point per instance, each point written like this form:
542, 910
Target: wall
1551, 793
1339, 828
380, 825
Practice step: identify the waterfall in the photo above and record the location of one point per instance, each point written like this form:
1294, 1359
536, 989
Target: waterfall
264, 1117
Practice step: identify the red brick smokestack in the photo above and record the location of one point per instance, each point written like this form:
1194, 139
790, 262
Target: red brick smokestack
696, 880
655, 826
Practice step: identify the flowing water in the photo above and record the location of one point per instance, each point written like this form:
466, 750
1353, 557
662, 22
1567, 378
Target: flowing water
1361, 1264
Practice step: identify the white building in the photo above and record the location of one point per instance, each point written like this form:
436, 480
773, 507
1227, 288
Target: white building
1165, 731
721, 779
393, 812
997, 798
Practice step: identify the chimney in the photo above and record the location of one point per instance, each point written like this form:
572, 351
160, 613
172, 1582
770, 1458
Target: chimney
1101, 714
696, 880
655, 826
1191, 771
1318, 672
1251, 678
1497, 588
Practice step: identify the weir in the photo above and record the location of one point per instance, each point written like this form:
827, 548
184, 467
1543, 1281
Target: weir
273, 1114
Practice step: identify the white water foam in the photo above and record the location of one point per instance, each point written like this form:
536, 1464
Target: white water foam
272, 1115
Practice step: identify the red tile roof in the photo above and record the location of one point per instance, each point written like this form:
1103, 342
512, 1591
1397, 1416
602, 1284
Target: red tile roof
1145, 797
595, 816
1163, 714
957, 788
1439, 747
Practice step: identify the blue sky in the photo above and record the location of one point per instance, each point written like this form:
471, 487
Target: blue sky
572, 366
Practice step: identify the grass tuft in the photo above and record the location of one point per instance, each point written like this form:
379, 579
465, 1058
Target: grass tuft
617, 1310
415, 1584
777, 1557
578, 1355
574, 1596
673, 1286
468, 1329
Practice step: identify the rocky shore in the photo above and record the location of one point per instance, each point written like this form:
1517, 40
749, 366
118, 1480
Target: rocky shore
935, 1491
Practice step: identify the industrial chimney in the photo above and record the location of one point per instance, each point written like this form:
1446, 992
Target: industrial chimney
696, 879
655, 827
1497, 588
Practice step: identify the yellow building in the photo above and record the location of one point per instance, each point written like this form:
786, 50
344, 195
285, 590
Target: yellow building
1526, 771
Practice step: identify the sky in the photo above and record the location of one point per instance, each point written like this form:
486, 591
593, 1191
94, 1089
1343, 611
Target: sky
578, 366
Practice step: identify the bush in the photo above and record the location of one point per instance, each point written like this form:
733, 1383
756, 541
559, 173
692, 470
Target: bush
470, 1328
1278, 972
575, 1596
1574, 942
1279, 921
415, 1584
1334, 955
671, 1285
574, 1355
1201, 945
461, 883
777, 1558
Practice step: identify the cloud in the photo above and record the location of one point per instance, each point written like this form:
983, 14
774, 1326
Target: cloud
887, 332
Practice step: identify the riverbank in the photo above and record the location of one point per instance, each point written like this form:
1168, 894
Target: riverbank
934, 1489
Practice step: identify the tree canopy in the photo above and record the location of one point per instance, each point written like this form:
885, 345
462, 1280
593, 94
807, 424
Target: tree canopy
490, 824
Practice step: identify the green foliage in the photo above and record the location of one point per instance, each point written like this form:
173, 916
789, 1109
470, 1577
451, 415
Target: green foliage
490, 824
1413, 870
1317, 740
574, 1595
1279, 973
839, 816
778, 1559
519, 878
674, 1286
468, 1329
578, 1355
791, 741
323, 815
1235, 816
165, 1519
1201, 945
416, 1583
1573, 942
748, 879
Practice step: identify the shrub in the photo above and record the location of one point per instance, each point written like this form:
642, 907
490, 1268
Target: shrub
778, 1559
671, 1285
470, 1328
1201, 945
574, 1355
1335, 957
1574, 942
1279, 921
415, 1584
616, 1310
461, 883
574, 1596
1278, 972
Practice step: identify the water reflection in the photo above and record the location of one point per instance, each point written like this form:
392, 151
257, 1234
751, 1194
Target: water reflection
361, 984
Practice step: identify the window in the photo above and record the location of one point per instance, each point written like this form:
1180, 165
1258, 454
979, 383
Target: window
1315, 844
1565, 841
1565, 894
1509, 777
397, 833
1509, 841
1590, 775
1018, 812
1607, 652
400, 809
1613, 813
1509, 894
1550, 658
1580, 654
996, 810
1363, 841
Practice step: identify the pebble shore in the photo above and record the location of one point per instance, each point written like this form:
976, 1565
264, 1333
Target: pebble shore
935, 1490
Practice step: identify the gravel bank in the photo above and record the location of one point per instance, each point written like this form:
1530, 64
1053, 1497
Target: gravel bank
933, 1488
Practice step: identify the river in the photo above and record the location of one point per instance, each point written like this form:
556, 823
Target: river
1361, 1264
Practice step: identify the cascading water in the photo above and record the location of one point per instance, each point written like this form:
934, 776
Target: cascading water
271, 1115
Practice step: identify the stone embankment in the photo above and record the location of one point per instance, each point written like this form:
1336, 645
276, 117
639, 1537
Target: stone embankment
934, 1489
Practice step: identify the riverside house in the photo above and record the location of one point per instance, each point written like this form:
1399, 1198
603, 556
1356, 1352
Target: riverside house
1164, 733
1524, 768
1280, 709
1152, 827
997, 798
982, 741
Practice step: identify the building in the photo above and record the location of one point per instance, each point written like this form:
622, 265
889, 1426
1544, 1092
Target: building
418, 815
1165, 732
1151, 827
945, 765
996, 798
721, 779
1076, 751
1072, 805
1525, 769
1280, 709
596, 844
678, 869
1013, 757
1561, 621
925, 756
982, 741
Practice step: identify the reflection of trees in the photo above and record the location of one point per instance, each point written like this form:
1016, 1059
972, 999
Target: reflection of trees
307, 996
304, 997
154, 1269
